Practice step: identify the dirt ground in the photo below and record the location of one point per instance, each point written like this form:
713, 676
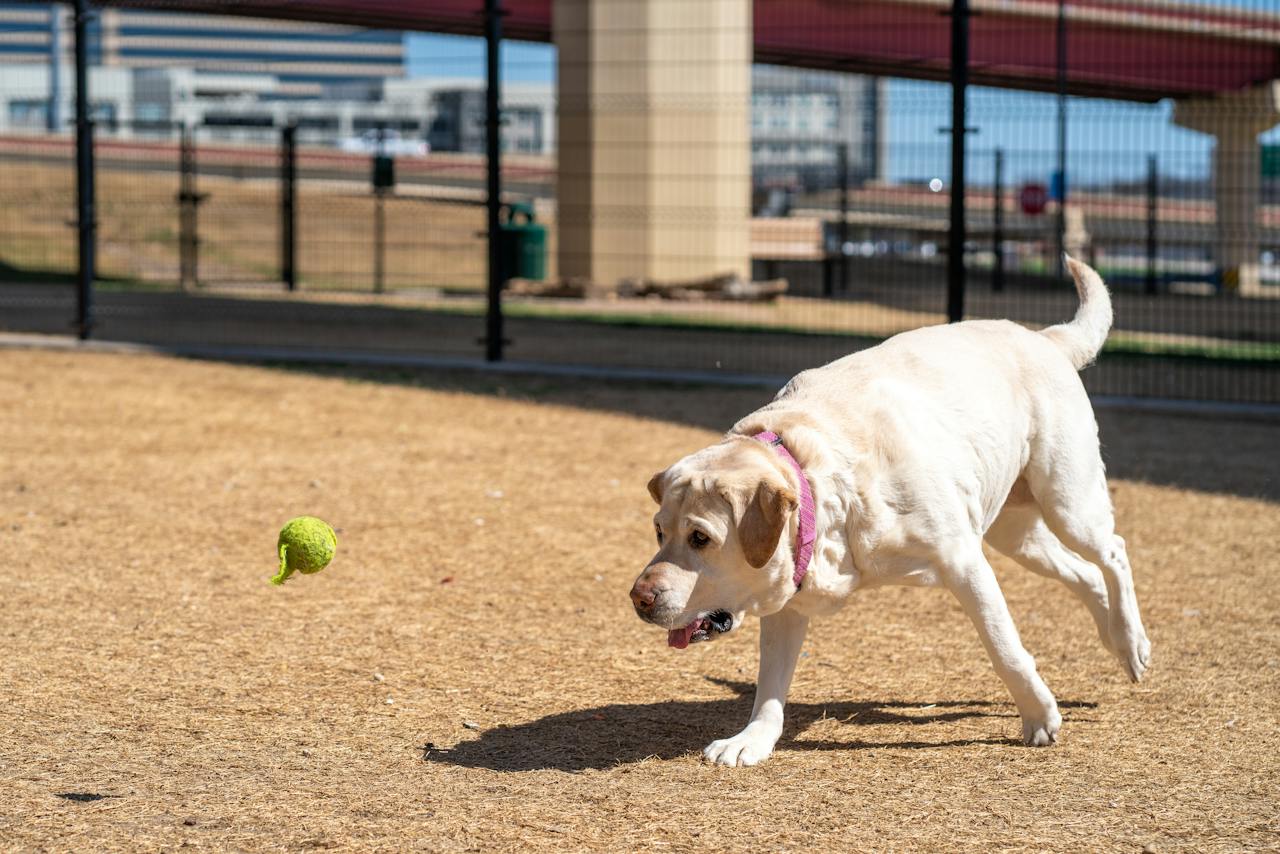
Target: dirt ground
468, 674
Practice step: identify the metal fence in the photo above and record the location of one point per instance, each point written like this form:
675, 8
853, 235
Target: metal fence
287, 236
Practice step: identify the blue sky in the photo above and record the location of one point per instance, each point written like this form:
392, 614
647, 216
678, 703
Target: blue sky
463, 56
1107, 140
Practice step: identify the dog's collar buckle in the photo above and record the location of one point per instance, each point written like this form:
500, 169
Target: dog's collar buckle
808, 529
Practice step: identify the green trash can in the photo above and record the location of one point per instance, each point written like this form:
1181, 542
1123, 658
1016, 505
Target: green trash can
524, 243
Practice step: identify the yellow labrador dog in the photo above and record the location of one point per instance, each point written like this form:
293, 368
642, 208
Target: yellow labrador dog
891, 466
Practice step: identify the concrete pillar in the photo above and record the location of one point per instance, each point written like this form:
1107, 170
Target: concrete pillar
654, 177
1235, 120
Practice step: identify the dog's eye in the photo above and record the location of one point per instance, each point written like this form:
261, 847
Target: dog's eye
698, 540
658, 532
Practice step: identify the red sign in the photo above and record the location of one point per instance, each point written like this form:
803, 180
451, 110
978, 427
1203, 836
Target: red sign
1033, 198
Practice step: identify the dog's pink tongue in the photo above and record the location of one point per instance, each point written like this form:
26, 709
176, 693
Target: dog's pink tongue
679, 638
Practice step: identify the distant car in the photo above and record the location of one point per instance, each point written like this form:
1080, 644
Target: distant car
385, 142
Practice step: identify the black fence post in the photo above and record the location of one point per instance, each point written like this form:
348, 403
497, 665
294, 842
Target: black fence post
493, 342
188, 199
844, 217
86, 225
997, 224
959, 87
379, 211
379, 241
288, 207
1153, 218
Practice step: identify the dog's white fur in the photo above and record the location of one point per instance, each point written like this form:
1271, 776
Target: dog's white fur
917, 450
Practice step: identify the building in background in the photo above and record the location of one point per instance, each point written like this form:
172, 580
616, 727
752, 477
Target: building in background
799, 117
244, 78
458, 120
302, 58
448, 113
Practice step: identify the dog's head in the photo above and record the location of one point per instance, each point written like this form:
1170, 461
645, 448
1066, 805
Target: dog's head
722, 551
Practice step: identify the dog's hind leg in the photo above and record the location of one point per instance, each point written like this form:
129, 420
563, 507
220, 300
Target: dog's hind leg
1071, 490
973, 582
1020, 532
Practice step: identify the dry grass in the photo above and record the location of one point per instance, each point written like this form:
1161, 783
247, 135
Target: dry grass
489, 533
428, 244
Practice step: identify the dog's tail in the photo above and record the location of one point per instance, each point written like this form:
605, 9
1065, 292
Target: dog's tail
1083, 337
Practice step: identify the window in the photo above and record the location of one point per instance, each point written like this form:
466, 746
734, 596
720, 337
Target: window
254, 120
29, 113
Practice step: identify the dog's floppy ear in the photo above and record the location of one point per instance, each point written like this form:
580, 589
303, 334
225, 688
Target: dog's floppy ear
763, 519
655, 486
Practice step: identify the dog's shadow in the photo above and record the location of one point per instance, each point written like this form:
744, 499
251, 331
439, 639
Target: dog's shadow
620, 734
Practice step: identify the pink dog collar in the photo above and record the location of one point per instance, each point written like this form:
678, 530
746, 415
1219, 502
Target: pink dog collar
808, 532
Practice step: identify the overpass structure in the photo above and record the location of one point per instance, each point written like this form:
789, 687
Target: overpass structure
1140, 50
654, 149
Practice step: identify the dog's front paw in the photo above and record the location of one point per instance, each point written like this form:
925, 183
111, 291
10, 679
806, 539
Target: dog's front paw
749, 747
1041, 730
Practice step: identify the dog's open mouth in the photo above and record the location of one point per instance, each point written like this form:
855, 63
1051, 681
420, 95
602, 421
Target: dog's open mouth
701, 629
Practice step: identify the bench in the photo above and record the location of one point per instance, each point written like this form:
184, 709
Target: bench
775, 239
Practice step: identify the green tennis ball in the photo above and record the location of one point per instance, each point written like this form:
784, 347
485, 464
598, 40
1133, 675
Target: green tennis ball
306, 545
